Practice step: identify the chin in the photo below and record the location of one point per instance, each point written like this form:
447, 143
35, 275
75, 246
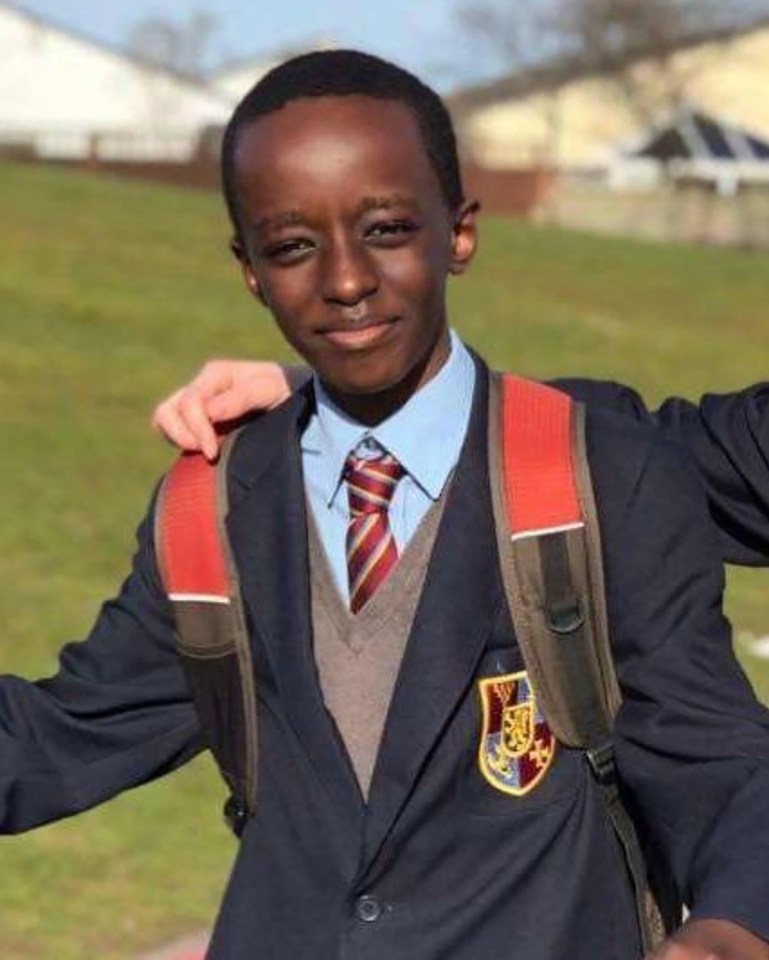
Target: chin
364, 379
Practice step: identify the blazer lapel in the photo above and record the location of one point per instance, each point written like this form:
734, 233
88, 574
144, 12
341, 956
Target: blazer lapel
268, 533
448, 636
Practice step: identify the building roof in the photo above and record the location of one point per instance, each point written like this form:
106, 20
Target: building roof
693, 135
47, 23
554, 73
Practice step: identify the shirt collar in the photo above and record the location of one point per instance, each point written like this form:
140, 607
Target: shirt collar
425, 435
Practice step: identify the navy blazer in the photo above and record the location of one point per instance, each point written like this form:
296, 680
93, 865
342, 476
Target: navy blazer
439, 864
727, 437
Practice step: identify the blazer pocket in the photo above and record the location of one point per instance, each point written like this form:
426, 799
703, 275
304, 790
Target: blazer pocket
511, 762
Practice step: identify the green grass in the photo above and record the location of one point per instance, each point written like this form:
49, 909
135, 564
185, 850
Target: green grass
110, 294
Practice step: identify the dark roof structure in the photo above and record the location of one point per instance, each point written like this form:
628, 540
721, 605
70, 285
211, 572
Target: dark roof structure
697, 136
697, 147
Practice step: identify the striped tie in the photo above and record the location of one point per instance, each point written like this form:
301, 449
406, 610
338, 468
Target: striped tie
371, 549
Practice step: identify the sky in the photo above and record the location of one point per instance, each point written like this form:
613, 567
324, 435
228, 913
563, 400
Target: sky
420, 34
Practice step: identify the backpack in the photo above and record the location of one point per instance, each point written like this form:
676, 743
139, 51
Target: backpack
550, 554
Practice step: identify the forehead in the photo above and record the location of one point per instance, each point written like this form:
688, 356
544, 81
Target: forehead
354, 144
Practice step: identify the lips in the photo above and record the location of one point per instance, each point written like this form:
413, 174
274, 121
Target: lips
360, 333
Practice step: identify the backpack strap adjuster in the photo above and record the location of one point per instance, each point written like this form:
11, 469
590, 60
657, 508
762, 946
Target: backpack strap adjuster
565, 619
602, 763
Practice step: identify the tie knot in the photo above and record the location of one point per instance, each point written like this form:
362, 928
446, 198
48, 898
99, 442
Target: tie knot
371, 482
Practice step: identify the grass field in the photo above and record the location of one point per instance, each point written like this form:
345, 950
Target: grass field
110, 294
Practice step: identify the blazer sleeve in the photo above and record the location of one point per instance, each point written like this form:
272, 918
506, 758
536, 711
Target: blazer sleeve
116, 714
692, 740
727, 437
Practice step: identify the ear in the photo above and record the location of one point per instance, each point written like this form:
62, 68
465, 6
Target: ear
240, 254
464, 236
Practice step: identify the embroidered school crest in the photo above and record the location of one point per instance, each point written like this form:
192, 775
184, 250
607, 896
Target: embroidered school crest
517, 747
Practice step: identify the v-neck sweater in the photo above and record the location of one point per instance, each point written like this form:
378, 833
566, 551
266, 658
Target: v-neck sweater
358, 656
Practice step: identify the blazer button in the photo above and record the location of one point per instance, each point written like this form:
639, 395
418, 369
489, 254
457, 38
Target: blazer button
368, 909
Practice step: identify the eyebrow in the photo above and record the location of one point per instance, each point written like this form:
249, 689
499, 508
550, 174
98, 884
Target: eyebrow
288, 218
386, 202
293, 218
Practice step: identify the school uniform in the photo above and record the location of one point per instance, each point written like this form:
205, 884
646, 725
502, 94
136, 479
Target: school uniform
436, 861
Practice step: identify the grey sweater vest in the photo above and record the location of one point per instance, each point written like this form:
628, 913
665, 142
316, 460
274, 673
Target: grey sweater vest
358, 656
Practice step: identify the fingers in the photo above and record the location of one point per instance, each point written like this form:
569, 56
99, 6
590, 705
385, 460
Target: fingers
192, 410
184, 421
166, 419
229, 406
223, 390
186, 418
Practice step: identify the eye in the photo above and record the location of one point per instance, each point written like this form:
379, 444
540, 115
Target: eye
391, 232
287, 251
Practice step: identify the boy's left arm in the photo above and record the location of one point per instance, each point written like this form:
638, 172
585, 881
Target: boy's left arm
727, 437
692, 741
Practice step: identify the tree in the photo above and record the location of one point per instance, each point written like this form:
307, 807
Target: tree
180, 45
610, 38
505, 31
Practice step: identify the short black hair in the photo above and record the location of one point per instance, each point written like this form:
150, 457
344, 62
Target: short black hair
334, 73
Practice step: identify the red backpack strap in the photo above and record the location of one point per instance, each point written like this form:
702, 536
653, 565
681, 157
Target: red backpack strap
550, 551
202, 586
550, 554
190, 551
539, 481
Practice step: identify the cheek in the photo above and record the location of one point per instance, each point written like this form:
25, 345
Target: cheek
286, 293
417, 279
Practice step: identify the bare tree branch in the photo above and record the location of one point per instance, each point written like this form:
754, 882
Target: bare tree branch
483, 21
610, 38
181, 45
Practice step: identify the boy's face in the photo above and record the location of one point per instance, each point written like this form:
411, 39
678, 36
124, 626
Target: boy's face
349, 241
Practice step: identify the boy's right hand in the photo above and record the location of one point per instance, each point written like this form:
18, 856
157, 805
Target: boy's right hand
223, 390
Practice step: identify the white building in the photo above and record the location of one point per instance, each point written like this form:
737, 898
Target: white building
63, 95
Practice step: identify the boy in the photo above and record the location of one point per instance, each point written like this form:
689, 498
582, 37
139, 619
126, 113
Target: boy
377, 835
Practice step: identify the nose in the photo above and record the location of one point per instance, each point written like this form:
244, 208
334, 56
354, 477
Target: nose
349, 274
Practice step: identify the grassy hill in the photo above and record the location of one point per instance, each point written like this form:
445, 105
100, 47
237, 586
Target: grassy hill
110, 294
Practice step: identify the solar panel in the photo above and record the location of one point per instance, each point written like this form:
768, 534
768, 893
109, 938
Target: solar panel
696, 136
760, 148
714, 138
669, 145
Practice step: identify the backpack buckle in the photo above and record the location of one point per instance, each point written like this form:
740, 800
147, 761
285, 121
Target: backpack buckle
601, 760
564, 619
235, 815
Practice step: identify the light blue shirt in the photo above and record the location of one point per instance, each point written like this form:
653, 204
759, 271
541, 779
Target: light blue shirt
425, 435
